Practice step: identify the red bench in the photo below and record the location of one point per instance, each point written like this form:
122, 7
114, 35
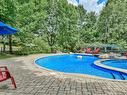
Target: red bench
5, 74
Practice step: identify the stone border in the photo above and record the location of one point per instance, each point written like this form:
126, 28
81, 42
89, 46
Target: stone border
72, 74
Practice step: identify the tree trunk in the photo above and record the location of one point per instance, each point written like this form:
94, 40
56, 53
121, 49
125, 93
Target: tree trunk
4, 46
10, 43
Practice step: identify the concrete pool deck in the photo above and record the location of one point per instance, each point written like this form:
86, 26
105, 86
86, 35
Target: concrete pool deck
32, 80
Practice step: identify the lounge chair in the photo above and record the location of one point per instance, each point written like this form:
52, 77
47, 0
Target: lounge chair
5, 74
125, 54
88, 50
96, 51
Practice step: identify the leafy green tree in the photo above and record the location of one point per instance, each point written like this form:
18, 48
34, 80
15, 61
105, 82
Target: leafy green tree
53, 23
7, 15
112, 23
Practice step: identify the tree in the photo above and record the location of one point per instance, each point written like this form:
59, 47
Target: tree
51, 22
55, 22
112, 22
8, 9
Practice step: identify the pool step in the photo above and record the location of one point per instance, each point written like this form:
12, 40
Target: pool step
117, 76
125, 76
122, 77
113, 76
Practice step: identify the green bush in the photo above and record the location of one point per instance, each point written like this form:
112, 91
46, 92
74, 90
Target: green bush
37, 46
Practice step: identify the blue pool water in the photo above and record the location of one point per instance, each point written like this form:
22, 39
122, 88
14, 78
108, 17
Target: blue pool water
122, 64
72, 64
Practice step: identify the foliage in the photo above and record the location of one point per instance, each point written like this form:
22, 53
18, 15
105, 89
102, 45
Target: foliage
112, 25
50, 25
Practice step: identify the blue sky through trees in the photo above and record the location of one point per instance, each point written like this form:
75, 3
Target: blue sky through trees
101, 1
90, 5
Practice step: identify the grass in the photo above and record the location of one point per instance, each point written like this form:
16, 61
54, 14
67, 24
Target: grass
4, 56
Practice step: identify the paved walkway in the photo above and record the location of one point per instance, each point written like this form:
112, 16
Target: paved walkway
34, 81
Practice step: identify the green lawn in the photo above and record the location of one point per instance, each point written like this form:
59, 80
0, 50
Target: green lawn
3, 56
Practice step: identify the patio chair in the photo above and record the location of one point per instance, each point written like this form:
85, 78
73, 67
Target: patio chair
5, 74
96, 51
125, 54
88, 50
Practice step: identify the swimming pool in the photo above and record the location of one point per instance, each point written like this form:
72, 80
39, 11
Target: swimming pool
72, 63
122, 64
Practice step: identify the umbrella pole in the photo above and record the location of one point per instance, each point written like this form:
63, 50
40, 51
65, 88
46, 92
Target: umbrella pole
10, 43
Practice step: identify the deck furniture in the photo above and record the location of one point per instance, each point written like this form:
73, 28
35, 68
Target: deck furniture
88, 50
5, 74
96, 51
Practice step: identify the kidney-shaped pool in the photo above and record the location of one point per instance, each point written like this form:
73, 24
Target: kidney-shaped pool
77, 63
